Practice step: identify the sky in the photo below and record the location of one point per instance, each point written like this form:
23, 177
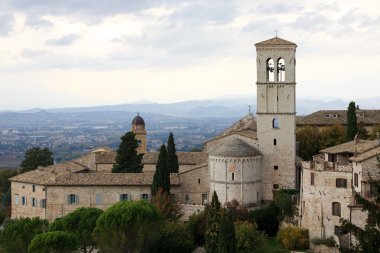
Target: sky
82, 52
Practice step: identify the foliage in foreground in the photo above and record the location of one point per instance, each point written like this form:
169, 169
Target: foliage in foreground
212, 228
196, 225
53, 242
267, 219
249, 239
294, 238
329, 242
168, 207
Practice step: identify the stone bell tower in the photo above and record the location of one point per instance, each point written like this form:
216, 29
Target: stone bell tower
138, 127
276, 114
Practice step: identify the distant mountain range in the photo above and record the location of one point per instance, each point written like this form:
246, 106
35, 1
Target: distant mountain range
215, 108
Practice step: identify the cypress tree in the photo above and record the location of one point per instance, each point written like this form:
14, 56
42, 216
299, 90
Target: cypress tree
161, 178
226, 235
352, 125
127, 158
212, 228
172, 158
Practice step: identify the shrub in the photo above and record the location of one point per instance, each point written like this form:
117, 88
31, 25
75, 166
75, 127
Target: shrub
249, 239
266, 219
329, 242
196, 226
293, 238
239, 213
56, 241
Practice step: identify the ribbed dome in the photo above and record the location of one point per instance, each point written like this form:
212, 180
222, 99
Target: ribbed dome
235, 148
138, 121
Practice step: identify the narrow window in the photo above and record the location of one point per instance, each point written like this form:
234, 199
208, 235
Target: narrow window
341, 183
23, 200
275, 167
275, 142
123, 197
98, 199
16, 199
270, 70
72, 199
199, 181
33, 201
275, 123
312, 179
33, 188
336, 209
233, 176
356, 180
43, 203
281, 70
144, 196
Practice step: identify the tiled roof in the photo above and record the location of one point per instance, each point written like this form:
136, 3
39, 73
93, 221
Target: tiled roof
366, 155
276, 41
248, 122
332, 117
349, 147
184, 158
105, 157
235, 147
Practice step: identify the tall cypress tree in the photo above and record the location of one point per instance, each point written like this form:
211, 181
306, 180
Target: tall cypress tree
352, 124
161, 178
172, 158
212, 228
226, 235
127, 158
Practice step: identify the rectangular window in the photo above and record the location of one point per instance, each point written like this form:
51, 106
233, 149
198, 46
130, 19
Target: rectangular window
98, 199
275, 167
43, 203
276, 187
312, 179
275, 142
233, 176
23, 200
356, 180
33, 201
72, 199
204, 199
33, 188
145, 197
341, 183
124, 197
336, 209
16, 199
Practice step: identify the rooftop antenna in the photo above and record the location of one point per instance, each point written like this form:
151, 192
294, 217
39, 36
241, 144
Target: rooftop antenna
276, 31
249, 109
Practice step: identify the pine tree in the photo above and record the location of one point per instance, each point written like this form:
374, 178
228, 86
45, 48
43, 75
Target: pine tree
369, 237
161, 178
172, 158
212, 228
226, 235
35, 157
352, 125
127, 158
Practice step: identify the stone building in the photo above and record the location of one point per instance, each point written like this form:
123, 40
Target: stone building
327, 181
248, 162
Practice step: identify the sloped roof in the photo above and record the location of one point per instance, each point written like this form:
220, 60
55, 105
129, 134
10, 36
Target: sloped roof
105, 157
276, 41
184, 158
349, 147
248, 122
319, 118
366, 155
235, 147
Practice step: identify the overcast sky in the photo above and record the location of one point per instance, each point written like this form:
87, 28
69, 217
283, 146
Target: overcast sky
82, 52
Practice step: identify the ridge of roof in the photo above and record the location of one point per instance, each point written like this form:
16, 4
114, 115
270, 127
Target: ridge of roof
275, 41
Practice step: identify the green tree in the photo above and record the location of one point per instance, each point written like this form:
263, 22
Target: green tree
294, 238
171, 157
212, 228
161, 178
128, 227
332, 136
127, 158
18, 234
196, 225
53, 242
80, 223
168, 207
284, 202
226, 233
309, 142
35, 157
249, 239
267, 219
352, 128
369, 237
5, 187
362, 131
174, 238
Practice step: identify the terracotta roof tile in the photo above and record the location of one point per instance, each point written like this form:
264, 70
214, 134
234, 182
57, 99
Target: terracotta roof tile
321, 118
276, 41
349, 147
184, 158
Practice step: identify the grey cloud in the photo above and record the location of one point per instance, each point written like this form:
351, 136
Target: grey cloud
311, 22
37, 22
6, 24
278, 8
32, 54
63, 41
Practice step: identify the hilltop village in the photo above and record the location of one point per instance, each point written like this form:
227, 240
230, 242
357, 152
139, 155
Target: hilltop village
250, 162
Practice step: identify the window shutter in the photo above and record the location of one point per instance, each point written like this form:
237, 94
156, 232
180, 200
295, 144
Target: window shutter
68, 199
141, 196
120, 197
76, 199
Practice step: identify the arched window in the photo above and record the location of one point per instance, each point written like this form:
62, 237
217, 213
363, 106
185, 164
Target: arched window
275, 123
336, 209
270, 70
281, 70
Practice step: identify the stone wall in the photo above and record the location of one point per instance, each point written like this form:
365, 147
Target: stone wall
195, 183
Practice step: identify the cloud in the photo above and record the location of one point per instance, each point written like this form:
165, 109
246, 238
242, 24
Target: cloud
278, 8
6, 24
37, 22
63, 41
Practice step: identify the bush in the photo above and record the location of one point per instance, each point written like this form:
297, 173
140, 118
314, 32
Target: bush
57, 241
284, 202
266, 219
293, 238
196, 225
249, 239
329, 242
239, 213
174, 238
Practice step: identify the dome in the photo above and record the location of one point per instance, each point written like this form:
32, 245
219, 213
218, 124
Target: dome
138, 121
235, 148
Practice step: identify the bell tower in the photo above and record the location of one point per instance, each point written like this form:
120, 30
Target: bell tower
138, 127
276, 114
